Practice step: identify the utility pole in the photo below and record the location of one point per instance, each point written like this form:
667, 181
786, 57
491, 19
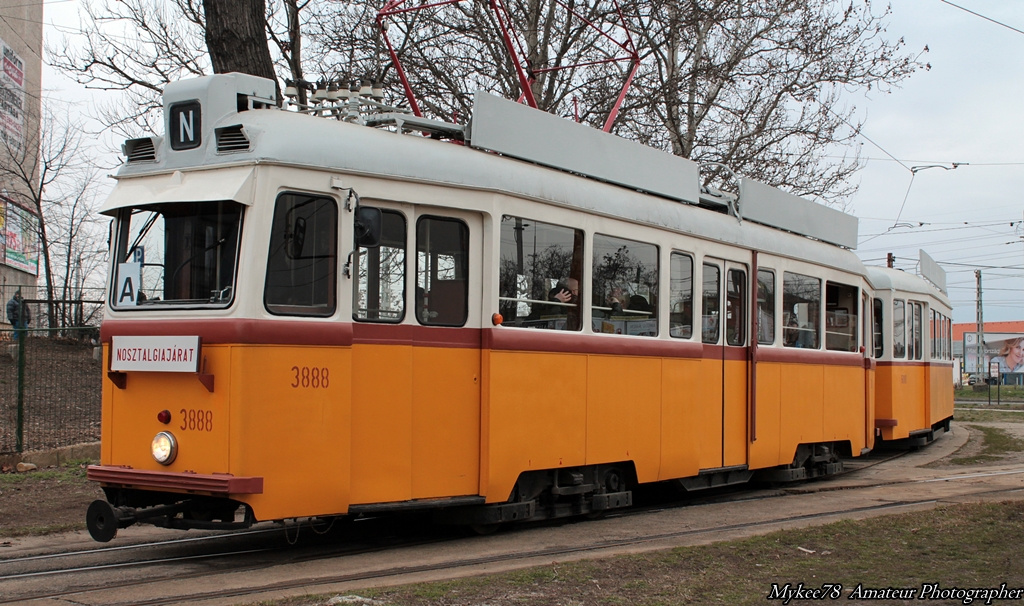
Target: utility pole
982, 373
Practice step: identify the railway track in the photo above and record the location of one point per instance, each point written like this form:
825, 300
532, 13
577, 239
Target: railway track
221, 568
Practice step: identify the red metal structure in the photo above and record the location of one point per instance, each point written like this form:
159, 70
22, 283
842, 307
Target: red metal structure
525, 73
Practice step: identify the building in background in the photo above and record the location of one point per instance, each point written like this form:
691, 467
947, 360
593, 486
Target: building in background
21, 64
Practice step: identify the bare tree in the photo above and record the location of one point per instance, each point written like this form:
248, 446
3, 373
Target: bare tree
758, 86
137, 47
52, 177
753, 88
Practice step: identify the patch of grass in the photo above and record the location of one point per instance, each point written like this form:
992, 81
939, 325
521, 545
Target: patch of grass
69, 472
973, 545
1006, 393
990, 415
996, 443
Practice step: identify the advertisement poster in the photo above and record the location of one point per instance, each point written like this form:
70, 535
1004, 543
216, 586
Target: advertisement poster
12, 96
1007, 354
21, 248
3, 229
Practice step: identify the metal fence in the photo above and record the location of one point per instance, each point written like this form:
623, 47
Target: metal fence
50, 388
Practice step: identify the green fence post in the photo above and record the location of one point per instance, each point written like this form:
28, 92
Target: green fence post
20, 433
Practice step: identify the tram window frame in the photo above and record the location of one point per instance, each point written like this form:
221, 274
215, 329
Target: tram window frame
917, 329
877, 322
711, 302
315, 294
765, 306
899, 328
193, 241
449, 258
735, 307
529, 282
933, 334
624, 279
801, 296
840, 323
680, 317
388, 297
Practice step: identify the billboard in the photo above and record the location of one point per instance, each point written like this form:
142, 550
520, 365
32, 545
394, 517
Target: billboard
1005, 350
20, 238
12, 97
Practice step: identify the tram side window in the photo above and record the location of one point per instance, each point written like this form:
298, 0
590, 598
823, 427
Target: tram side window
625, 287
933, 332
877, 324
899, 329
801, 305
442, 271
379, 295
840, 317
736, 307
710, 310
765, 306
540, 274
680, 319
302, 263
918, 340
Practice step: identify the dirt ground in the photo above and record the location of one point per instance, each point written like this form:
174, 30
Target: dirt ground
45, 500
61, 393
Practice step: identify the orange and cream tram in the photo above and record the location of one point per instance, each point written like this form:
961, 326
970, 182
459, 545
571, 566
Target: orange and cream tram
334, 315
913, 353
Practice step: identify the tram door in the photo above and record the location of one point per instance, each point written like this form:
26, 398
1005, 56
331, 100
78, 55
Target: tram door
725, 336
446, 368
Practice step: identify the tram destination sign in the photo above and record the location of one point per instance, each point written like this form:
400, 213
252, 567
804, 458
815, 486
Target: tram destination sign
154, 354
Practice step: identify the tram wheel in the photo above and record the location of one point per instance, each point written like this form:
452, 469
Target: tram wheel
101, 520
485, 529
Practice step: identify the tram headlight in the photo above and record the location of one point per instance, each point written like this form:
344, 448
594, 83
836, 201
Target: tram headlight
164, 448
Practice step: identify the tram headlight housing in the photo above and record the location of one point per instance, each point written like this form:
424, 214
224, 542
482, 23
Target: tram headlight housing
164, 448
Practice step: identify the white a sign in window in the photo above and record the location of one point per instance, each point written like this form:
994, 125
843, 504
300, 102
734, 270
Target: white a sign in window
129, 281
154, 354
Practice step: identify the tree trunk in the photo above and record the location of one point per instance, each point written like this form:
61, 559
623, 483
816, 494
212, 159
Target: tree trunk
236, 37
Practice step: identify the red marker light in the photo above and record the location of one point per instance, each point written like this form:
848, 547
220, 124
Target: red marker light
496, 319
164, 416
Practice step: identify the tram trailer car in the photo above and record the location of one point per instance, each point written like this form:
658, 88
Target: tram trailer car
913, 352
313, 317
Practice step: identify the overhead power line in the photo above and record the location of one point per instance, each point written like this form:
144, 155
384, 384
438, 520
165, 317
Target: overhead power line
967, 10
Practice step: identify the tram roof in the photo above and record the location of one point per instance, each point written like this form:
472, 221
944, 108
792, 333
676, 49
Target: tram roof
240, 139
887, 278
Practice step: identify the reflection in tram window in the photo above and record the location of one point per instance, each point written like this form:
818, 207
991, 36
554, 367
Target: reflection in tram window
841, 317
625, 287
380, 274
540, 274
877, 320
917, 340
442, 271
801, 304
765, 306
302, 264
736, 307
899, 329
178, 253
710, 311
680, 320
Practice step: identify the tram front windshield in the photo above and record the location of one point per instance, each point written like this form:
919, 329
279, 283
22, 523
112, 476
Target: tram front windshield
180, 253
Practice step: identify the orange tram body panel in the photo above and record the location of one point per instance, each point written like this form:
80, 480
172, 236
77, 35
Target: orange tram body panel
402, 323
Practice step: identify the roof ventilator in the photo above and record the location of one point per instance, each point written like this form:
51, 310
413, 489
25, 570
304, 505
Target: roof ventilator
139, 150
231, 139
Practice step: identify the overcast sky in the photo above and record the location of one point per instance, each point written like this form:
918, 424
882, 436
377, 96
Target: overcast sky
967, 109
